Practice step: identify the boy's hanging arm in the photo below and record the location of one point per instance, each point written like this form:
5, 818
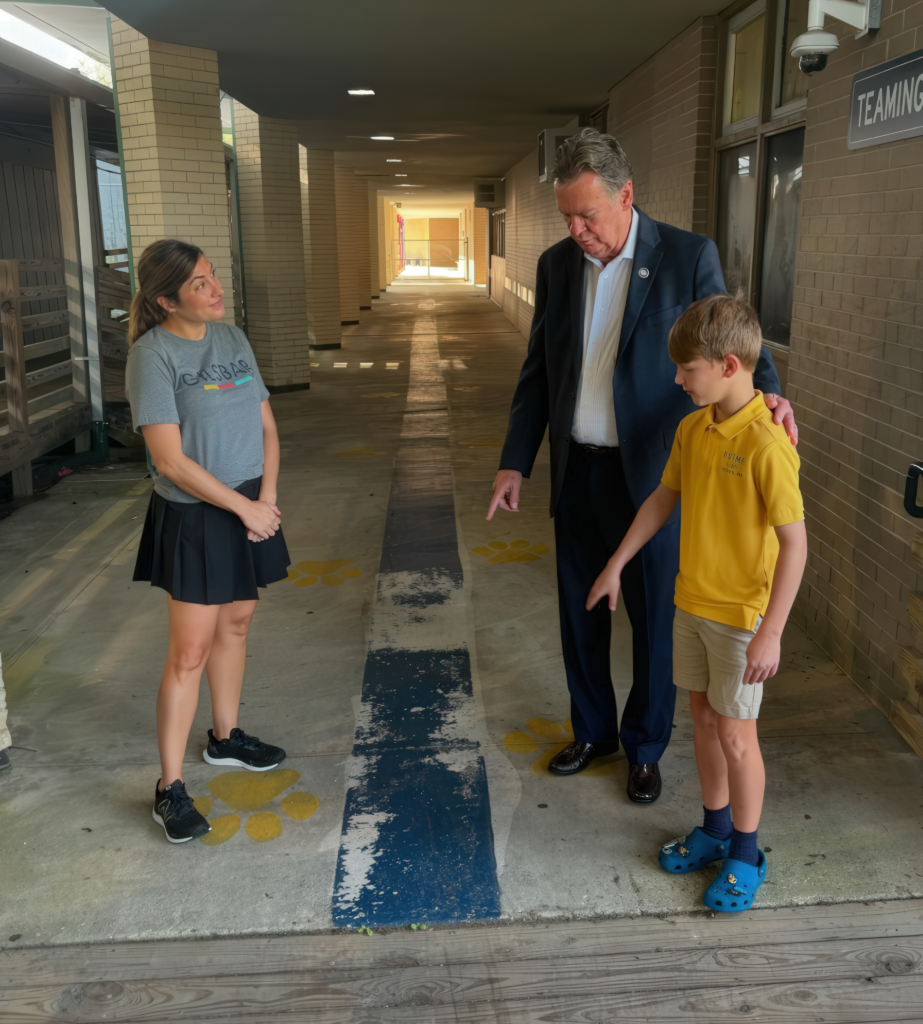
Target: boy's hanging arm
765, 650
649, 519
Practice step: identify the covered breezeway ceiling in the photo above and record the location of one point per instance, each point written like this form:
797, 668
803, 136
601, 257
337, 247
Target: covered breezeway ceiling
463, 87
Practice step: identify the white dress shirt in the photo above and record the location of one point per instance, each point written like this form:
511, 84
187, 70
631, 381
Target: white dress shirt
605, 291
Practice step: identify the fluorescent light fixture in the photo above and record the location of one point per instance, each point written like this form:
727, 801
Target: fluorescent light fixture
393, 160
403, 185
361, 92
382, 138
400, 175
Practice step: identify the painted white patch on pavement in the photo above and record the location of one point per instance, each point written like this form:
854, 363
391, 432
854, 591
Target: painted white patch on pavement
359, 853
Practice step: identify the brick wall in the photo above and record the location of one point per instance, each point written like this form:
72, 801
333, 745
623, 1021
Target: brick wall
321, 262
382, 243
533, 223
349, 215
662, 114
173, 154
372, 199
269, 180
856, 371
480, 246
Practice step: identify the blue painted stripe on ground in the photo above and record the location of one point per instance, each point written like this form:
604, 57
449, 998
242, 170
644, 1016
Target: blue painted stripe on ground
417, 844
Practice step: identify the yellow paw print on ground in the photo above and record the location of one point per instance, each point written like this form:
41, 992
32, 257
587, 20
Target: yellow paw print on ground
551, 738
499, 552
249, 794
306, 574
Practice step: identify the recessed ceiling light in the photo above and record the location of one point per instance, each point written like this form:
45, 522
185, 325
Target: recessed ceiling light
361, 92
393, 160
382, 138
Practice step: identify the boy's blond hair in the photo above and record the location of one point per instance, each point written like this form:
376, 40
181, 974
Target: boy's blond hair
716, 327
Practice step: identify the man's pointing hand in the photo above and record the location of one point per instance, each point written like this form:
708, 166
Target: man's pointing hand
506, 492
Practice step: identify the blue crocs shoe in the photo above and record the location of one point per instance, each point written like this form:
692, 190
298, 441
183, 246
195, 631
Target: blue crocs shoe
689, 853
736, 886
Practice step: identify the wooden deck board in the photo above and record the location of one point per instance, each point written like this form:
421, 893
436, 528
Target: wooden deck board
846, 964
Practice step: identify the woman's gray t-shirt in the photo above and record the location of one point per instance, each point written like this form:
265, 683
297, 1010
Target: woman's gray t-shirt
212, 389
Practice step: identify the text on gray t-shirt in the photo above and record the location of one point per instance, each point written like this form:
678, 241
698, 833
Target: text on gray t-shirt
212, 389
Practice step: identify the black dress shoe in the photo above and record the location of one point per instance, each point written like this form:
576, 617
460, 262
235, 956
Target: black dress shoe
576, 756
644, 783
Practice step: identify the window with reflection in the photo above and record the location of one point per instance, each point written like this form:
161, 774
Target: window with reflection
784, 155
737, 214
792, 83
748, 66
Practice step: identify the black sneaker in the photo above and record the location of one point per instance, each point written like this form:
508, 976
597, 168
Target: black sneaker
243, 751
174, 809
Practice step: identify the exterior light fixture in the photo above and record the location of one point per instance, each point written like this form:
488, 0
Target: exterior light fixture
382, 138
361, 92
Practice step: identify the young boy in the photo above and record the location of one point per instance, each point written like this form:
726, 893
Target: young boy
742, 554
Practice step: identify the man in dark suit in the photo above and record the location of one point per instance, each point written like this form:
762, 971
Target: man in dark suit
599, 376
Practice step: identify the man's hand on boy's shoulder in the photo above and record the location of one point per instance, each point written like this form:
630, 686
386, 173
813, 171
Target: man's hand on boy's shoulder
782, 415
763, 656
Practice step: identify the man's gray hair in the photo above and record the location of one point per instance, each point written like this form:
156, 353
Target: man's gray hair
592, 151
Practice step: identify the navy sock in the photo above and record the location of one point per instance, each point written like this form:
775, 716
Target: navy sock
718, 823
743, 848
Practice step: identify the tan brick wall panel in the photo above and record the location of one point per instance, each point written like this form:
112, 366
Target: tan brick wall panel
373, 245
321, 265
173, 153
480, 246
269, 179
856, 371
662, 114
349, 231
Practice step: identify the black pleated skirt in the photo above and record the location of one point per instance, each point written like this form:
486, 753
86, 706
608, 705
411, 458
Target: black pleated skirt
199, 553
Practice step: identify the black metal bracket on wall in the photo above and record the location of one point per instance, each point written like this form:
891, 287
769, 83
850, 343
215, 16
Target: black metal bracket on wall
911, 505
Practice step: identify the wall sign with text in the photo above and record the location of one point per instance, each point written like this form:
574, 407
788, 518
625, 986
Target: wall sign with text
887, 102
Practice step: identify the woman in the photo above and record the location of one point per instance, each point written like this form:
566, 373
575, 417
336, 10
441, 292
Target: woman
212, 533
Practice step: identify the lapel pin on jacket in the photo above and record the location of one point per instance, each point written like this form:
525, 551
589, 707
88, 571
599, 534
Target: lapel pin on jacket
643, 272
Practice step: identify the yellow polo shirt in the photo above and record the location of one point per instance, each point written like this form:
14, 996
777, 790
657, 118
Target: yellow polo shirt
738, 480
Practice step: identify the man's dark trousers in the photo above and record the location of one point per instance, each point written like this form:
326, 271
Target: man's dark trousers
593, 515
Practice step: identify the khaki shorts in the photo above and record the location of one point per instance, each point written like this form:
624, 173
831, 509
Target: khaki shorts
711, 658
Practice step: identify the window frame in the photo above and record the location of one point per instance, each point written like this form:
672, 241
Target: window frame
767, 123
795, 106
734, 24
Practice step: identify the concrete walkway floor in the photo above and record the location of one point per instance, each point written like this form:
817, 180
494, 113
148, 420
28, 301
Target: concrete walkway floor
411, 667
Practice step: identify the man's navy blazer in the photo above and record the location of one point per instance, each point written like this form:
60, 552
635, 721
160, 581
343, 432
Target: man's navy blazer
681, 267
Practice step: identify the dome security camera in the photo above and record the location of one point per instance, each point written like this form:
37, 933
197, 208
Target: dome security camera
812, 48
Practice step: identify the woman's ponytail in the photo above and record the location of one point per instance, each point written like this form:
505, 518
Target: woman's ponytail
162, 270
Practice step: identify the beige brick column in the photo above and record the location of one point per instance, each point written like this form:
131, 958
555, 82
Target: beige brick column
373, 245
383, 281
349, 225
480, 246
321, 260
269, 182
172, 152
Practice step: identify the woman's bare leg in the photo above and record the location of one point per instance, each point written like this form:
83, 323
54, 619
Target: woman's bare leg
192, 628
226, 663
